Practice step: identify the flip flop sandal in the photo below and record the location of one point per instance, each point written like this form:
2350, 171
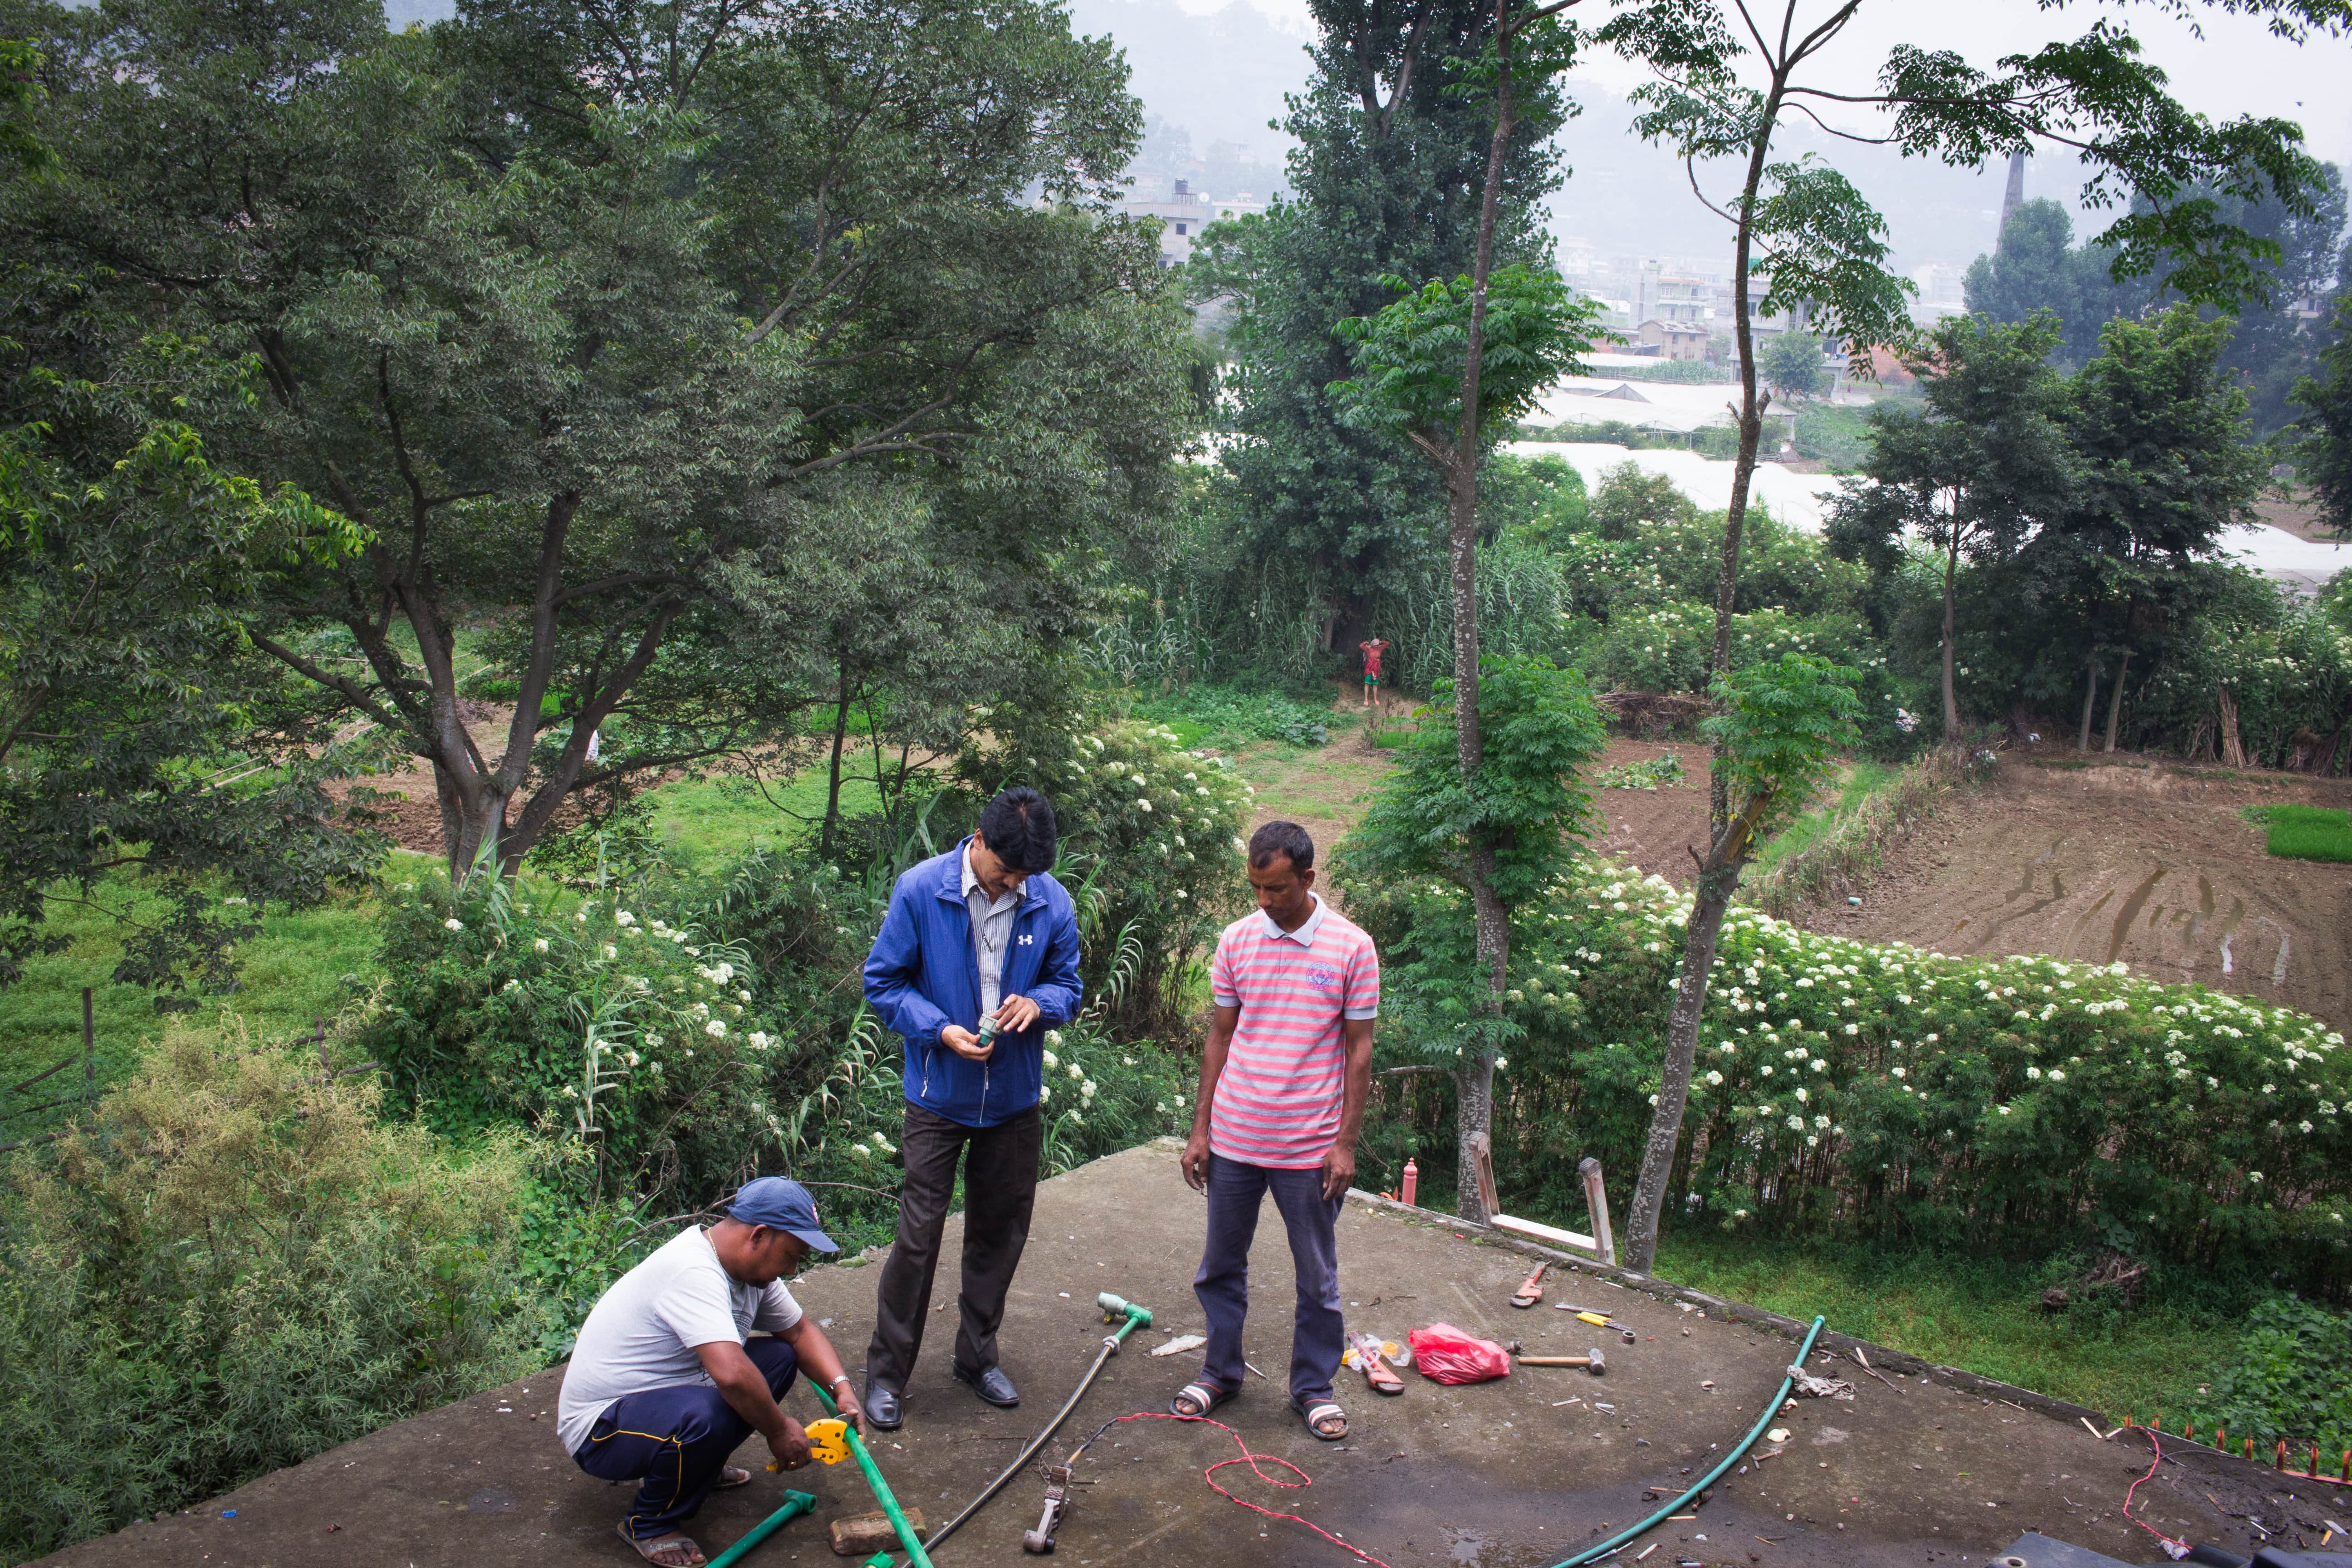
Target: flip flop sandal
1364, 1355
1321, 1411
1205, 1395
1530, 1292
648, 1548
729, 1478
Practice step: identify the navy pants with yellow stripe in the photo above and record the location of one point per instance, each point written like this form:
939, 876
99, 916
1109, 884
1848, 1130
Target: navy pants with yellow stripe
676, 1438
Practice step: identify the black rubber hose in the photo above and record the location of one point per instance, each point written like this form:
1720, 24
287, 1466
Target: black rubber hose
1111, 1347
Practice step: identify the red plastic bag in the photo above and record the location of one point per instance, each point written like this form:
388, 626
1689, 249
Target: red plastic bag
1443, 1353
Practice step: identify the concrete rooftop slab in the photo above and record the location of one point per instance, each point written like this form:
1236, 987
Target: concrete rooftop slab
1510, 1474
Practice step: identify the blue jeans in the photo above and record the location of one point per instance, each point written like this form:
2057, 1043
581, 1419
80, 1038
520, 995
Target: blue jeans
676, 1438
1316, 1337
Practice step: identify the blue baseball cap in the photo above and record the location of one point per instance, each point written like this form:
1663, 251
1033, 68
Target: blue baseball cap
780, 1204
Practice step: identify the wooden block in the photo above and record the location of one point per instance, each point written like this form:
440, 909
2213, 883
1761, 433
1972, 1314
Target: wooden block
864, 1532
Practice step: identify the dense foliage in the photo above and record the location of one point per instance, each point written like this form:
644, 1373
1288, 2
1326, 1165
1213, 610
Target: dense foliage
237, 1262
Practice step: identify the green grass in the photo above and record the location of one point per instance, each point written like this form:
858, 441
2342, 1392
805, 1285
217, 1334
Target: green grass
704, 820
2305, 832
1853, 785
302, 966
1226, 717
1983, 1315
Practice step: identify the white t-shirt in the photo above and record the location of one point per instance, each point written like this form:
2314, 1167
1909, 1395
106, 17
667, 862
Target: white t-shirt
643, 1333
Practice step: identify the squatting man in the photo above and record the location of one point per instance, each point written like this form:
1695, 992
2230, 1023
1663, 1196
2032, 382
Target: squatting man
665, 1381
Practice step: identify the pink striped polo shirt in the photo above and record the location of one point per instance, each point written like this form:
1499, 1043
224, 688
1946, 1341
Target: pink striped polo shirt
1278, 1100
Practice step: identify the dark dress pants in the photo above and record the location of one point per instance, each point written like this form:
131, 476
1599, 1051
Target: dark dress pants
1000, 1189
1236, 1190
676, 1438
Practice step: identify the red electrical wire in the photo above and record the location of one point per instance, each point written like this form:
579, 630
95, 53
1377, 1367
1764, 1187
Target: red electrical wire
2176, 1549
1246, 1457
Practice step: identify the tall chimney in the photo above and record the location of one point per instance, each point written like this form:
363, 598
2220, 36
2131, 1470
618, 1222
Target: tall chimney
2014, 197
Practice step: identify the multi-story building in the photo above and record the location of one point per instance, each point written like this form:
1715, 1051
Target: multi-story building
1183, 215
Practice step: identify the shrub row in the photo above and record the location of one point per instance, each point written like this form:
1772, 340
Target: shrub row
1907, 1094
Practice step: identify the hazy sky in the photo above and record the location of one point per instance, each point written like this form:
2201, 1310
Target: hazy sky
2237, 68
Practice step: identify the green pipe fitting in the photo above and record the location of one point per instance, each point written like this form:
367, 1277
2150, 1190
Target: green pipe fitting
795, 1505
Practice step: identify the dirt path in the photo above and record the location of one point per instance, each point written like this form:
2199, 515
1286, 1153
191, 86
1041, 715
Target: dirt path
2137, 863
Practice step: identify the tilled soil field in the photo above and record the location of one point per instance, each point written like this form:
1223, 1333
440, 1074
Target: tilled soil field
2132, 861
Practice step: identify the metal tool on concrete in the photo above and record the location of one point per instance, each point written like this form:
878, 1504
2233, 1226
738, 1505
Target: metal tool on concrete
1115, 1309
1531, 1290
1591, 1361
912, 1543
1039, 1542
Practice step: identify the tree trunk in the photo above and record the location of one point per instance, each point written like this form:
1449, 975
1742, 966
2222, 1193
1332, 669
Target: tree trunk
2090, 699
2233, 751
1476, 1101
1951, 697
1719, 879
2115, 698
833, 785
1751, 427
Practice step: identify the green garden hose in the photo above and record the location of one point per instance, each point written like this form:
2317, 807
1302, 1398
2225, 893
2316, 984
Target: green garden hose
916, 1556
795, 1505
1602, 1549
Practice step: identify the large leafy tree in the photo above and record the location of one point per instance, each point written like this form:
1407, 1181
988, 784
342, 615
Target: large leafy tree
1974, 472
582, 311
1448, 366
2326, 451
2037, 267
1727, 78
1389, 180
2157, 428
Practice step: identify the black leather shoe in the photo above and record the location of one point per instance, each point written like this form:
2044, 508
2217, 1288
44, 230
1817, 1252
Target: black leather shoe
990, 1384
881, 1406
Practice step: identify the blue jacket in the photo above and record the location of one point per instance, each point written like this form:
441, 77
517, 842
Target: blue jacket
923, 975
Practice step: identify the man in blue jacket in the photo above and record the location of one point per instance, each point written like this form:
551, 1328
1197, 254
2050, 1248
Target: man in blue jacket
981, 930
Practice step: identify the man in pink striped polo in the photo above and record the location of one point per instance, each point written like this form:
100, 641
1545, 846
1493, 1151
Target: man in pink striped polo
1283, 1077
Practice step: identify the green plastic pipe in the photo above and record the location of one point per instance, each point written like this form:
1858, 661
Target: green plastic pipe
916, 1556
795, 1505
1601, 1548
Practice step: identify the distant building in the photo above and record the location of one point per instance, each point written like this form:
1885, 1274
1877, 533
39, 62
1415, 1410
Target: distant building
1670, 340
1183, 215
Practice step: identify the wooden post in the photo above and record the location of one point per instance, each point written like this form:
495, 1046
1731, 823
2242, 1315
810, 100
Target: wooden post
1482, 1154
2281, 1454
1596, 1200
88, 1051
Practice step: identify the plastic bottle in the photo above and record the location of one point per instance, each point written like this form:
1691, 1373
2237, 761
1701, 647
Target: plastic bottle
1412, 1179
988, 1030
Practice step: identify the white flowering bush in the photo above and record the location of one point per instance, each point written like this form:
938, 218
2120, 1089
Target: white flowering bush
1900, 1092
1102, 1094
1147, 853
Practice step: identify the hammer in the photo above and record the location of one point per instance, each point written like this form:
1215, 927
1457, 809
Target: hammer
1590, 1361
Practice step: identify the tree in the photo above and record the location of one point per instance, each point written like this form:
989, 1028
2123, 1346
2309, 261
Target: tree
581, 319
1977, 469
1805, 227
2036, 267
2325, 453
1777, 733
1449, 366
1790, 364
2158, 429
1387, 180
1497, 834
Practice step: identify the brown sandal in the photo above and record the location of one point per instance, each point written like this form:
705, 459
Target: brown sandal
729, 1478
1376, 1370
670, 1551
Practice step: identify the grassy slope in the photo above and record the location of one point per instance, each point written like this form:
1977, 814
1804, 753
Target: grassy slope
1853, 785
1984, 1315
294, 973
